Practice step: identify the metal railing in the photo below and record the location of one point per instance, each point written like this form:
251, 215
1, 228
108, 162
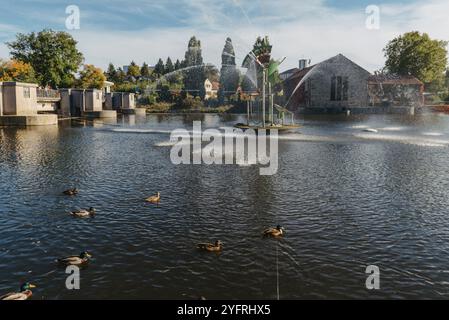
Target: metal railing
48, 93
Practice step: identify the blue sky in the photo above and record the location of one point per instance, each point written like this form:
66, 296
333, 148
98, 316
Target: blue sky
144, 30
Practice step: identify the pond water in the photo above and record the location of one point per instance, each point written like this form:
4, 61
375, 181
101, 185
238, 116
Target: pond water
347, 199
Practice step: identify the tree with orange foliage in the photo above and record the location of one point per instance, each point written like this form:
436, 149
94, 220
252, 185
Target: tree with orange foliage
15, 70
91, 77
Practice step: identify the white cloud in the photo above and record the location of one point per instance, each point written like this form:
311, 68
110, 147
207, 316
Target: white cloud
308, 29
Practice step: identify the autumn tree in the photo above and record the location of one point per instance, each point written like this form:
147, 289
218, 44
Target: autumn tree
91, 77
15, 70
133, 70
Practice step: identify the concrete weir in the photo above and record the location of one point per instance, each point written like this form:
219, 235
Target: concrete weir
100, 114
31, 120
136, 111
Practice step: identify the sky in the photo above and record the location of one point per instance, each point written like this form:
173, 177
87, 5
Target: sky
146, 30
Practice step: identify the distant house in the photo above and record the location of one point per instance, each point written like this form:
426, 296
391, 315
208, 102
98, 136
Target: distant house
334, 85
107, 85
303, 63
211, 89
393, 90
287, 73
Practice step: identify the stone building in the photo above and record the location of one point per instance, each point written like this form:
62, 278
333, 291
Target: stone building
334, 85
340, 85
393, 91
19, 105
18, 99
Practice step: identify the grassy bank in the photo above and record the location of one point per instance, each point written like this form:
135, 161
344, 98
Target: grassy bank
164, 107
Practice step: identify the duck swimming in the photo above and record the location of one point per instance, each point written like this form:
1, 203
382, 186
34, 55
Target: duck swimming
82, 259
24, 293
217, 247
83, 213
154, 199
71, 192
274, 232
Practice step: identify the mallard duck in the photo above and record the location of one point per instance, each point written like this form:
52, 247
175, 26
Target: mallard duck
24, 293
82, 259
154, 199
274, 232
218, 246
83, 213
71, 192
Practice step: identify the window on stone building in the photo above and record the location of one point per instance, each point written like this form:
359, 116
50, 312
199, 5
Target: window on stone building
26, 92
339, 88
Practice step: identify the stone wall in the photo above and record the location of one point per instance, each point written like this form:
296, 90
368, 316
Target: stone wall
320, 83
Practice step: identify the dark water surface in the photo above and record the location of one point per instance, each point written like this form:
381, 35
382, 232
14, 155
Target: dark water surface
346, 197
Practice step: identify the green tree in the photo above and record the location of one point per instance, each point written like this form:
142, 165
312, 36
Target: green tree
159, 68
177, 64
164, 92
145, 70
229, 75
120, 76
53, 56
111, 73
194, 76
169, 67
417, 54
91, 77
133, 70
15, 70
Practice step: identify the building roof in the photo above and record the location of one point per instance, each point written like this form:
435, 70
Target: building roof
393, 79
299, 74
292, 70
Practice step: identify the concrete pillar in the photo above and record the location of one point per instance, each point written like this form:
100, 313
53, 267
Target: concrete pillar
108, 102
65, 103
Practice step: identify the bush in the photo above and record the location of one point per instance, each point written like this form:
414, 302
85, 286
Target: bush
160, 107
189, 103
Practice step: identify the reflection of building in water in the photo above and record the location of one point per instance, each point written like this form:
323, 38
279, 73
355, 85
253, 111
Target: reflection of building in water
129, 119
33, 147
